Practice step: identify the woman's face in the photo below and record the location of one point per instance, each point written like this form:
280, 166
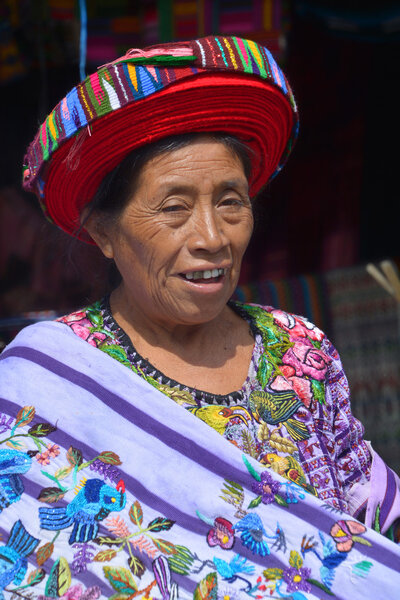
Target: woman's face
180, 240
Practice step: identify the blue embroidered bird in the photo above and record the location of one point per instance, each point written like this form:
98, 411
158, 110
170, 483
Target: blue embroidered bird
12, 464
230, 571
13, 563
329, 561
92, 504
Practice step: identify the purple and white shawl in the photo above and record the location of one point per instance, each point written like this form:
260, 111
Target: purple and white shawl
108, 489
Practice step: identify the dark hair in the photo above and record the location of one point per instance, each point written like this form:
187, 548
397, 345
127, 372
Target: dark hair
118, 186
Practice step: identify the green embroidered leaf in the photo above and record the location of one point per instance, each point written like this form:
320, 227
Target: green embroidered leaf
59, 579
318, 388
50, 495
119, 596
377, 525
207, 589
120, 579
251, 469
280, 500
24, 416
63, 472
116, 352
264, 372
182, 561
160, 524
360, 540
248, 445
74, 456
44, 552
164, 546
232, 487
105, 555
255, 502
321, 586
107, 541
273, 573
95, 317
136, 513
136, 566
295, 559
16, 444
362, 568
110, 458
41, 429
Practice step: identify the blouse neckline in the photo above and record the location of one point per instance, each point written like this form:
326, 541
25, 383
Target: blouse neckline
150, 370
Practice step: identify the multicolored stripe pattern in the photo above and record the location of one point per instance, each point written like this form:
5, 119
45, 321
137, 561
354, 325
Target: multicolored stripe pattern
118, 84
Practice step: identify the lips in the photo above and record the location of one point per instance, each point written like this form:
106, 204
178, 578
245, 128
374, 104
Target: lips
207, 274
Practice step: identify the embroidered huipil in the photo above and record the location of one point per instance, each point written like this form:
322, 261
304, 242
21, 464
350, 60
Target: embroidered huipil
292, 413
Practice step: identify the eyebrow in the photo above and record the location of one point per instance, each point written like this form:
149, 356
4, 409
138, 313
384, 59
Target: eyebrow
229, 184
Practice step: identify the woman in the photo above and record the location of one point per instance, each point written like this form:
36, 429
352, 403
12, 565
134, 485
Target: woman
116, 476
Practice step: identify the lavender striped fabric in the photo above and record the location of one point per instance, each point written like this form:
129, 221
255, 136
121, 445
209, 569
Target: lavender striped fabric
108, 489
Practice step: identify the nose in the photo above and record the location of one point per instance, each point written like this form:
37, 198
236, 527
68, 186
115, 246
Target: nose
208, 233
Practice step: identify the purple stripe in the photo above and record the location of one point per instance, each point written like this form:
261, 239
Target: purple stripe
389, 497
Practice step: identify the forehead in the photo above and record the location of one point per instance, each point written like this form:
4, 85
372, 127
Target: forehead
203, 158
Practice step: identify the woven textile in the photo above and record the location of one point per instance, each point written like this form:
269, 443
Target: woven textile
212, 84
365, 328
109, 489
304, 295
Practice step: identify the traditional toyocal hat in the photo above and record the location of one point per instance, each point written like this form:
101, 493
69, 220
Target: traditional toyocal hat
214, 84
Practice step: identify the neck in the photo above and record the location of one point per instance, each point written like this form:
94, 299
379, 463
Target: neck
145, 328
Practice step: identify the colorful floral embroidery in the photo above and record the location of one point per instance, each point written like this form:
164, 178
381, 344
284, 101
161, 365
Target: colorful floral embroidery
346, 533
266, 488
221, 534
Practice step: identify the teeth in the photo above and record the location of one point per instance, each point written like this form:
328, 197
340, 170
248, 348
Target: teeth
208, 274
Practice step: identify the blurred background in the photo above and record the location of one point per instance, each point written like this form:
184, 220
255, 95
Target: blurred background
332, 211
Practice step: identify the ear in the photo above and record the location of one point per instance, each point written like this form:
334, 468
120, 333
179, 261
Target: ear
99, 232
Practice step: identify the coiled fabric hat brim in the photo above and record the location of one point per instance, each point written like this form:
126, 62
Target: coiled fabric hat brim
245, 106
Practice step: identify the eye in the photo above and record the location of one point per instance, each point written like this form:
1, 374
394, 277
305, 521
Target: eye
234, 200
173, 208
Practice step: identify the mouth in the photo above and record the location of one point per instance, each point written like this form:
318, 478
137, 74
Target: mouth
206, 276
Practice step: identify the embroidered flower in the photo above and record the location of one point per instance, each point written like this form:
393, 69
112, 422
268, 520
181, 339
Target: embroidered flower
296, 579
228, 593
252, 535
83, 327
298, 326
53, 450
306, 360
345, 533
43, 458
222, 534
289, 381
266, 488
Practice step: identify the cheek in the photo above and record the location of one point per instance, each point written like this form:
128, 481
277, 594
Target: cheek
243, 234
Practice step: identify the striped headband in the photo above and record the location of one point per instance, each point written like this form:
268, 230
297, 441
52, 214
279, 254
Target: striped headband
213, 84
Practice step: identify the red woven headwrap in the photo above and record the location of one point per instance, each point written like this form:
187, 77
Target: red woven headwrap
248, 106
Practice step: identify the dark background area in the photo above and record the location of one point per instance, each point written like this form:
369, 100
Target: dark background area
333, 209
